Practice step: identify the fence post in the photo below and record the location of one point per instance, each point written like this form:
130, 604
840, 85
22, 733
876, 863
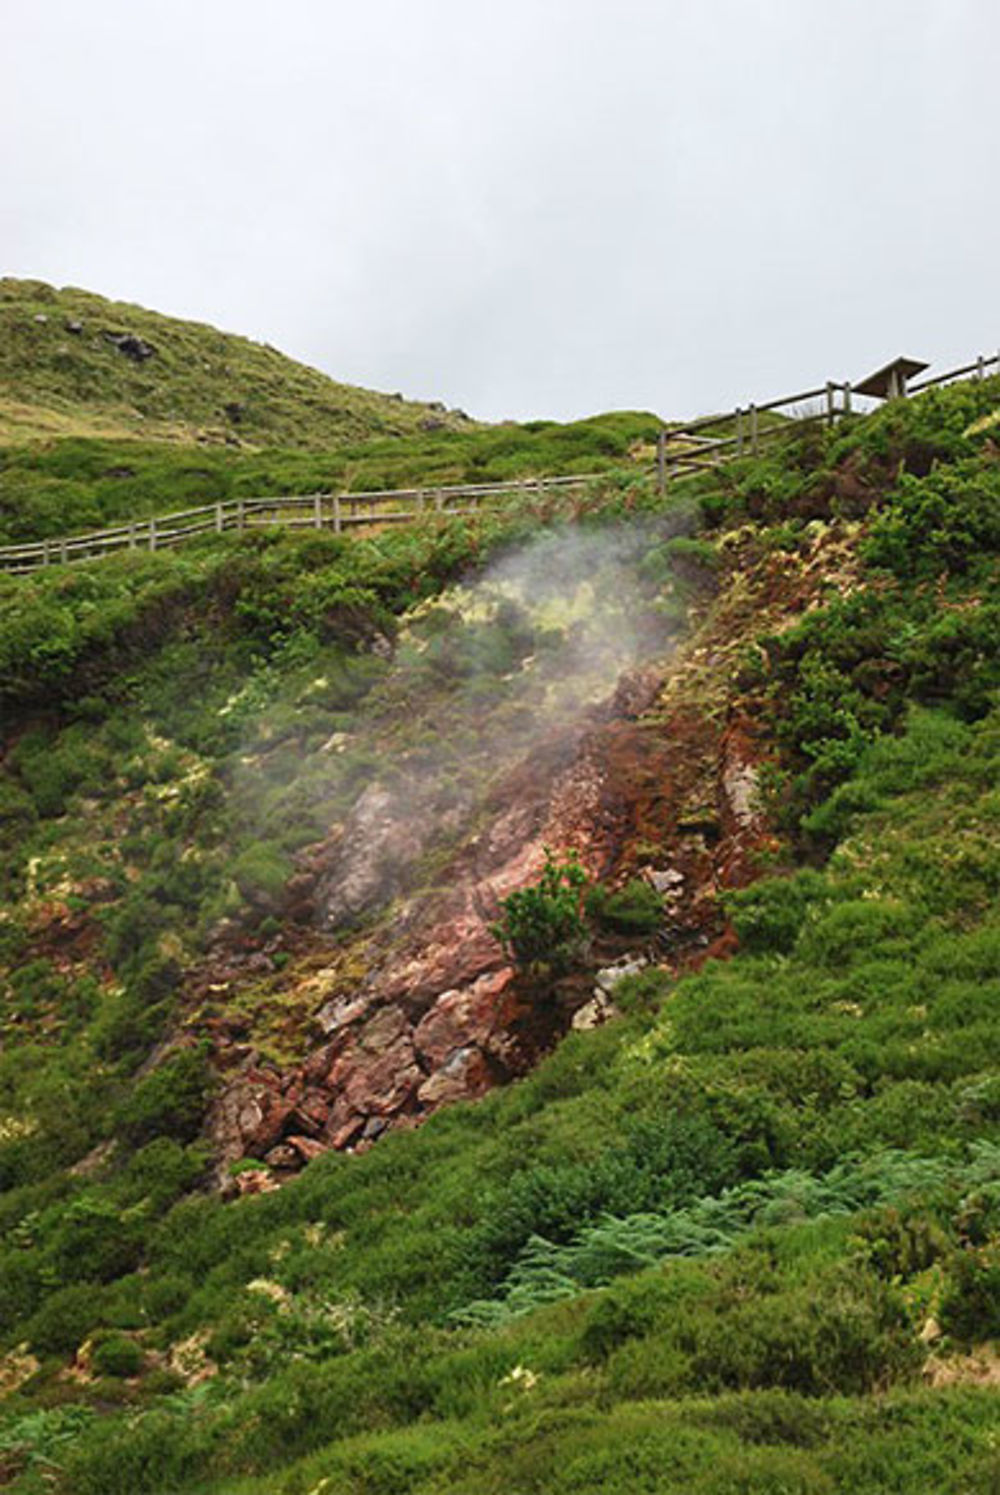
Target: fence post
830, 408
847, 398
62, 551
336, 514
318, 511
754, 445
240, 515
661, 462
980, 367
152, 534
439, 500
219, 522
45, 552
739, 430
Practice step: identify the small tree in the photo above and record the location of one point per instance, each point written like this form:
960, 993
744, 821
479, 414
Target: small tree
546, 924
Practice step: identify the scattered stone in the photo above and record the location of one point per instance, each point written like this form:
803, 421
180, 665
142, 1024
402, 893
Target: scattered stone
630, 965
340, 1013
131, 346
282, 1157
432, 423
667, 882
40, 318
595, 1013
75, 327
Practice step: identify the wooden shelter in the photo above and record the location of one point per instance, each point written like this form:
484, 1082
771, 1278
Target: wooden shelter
889, 383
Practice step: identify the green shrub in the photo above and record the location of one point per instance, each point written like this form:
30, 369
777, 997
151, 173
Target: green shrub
169, 1102
65, 1319
545, 924
118, 1356
769, 916
637, 908
970, 1306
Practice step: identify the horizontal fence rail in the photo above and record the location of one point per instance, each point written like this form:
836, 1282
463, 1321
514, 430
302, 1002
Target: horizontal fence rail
977, 370
338, 512
696, 446
685, 449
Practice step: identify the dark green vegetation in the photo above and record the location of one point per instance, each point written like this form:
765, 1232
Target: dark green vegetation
707, 1248
75, 484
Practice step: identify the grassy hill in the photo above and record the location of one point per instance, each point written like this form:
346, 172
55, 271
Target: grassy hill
91, 434
75, 364
742, 1240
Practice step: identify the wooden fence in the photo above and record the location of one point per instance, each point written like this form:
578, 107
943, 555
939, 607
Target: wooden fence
713, 439
681, 450
338, 512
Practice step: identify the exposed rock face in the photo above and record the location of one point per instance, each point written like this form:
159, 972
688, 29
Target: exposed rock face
661, 782
439, 1014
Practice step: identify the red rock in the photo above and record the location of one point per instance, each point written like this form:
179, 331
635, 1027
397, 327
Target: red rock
340, 1012
307, 1147
382, 1085
452, 953
383, 1030
459, 1018
316, 1068
311, 1113
258, 1117
463, 1076
346, 1134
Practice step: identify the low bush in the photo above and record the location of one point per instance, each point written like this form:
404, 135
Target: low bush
118, 1356
545, 924
636, 908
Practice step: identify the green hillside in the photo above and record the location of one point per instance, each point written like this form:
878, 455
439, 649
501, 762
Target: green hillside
743, 1238
91, 435
72, 484
75, 364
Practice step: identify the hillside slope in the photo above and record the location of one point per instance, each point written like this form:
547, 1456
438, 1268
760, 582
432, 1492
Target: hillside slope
513, 1005
93, 432
75, 364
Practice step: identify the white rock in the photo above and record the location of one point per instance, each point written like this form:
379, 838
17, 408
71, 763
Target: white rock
629, 965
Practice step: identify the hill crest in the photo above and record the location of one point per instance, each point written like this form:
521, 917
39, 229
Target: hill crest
74, 363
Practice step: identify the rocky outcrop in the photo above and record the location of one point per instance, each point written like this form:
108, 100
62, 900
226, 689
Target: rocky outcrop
662, 781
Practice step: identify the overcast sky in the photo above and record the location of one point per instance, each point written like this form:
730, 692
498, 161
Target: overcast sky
525, 208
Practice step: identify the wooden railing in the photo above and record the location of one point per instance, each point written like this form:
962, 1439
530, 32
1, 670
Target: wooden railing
681, 450
976, 370
735, 433
338, 512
